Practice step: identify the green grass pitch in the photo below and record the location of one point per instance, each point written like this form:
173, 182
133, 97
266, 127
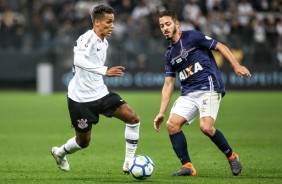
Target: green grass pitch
31, 124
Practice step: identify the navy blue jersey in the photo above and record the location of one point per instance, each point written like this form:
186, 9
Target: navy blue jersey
192, 60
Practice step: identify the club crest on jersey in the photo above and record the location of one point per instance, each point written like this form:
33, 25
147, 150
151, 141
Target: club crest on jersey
183, 53
190, 70
82, 123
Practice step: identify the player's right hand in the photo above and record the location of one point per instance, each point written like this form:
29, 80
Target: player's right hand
115, 71
242, 71
158, 121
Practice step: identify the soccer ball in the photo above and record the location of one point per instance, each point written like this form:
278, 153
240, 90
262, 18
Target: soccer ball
141, 167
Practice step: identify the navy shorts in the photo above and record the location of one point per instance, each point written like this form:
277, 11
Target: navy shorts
84, 114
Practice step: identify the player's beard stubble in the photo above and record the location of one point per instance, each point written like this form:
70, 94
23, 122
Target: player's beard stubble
173, 33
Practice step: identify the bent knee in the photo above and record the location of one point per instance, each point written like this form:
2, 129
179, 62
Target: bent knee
208, 131
207, 126
172, 128
133, 119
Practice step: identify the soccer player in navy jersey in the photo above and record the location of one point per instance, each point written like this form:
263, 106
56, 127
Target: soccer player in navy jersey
88, 96
189, 56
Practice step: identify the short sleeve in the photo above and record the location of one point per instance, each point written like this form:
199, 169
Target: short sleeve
203, 40
169, 70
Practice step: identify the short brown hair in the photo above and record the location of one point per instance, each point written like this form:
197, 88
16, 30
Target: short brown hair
99, 11
169, 13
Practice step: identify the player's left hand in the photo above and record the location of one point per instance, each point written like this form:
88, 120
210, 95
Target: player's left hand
242, 71
115, 71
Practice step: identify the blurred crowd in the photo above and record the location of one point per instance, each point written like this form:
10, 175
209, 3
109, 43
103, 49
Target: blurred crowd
52, 26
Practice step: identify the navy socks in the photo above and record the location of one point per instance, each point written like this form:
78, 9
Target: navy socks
180, 147
179, 144
220, 141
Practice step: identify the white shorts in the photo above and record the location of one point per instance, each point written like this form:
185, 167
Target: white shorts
204, 102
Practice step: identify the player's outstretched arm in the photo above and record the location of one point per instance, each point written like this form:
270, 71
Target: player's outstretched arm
115, 71
239, 69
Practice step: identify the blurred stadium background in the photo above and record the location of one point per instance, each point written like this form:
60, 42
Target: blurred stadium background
36, 43
37, 38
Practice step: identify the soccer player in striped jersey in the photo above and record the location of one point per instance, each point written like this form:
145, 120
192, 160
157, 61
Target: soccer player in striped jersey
189, 56
88, 96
